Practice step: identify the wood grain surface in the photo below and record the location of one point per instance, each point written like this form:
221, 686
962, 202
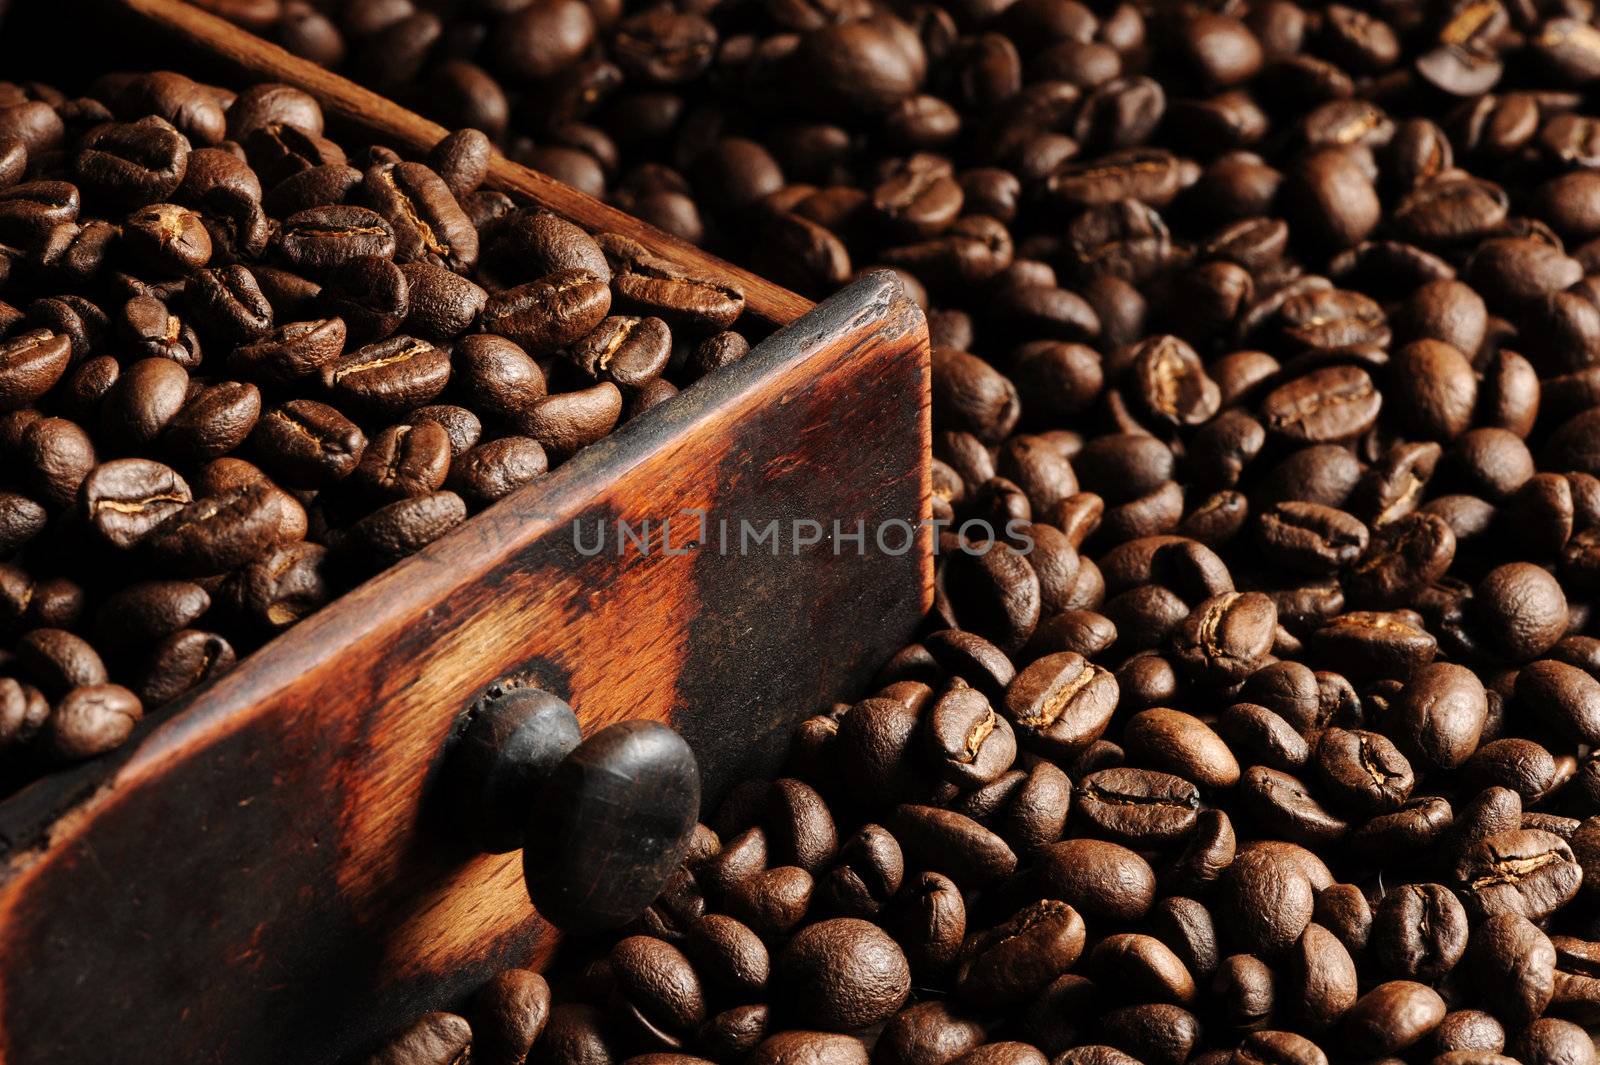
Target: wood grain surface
406, 131
261, 879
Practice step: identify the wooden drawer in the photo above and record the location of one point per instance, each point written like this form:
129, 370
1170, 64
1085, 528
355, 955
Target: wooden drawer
260, 876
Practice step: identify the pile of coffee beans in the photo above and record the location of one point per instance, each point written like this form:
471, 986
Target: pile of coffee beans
1256, 720
243, 368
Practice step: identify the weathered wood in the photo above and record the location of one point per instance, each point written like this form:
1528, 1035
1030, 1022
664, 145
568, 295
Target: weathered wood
405, 130
261, 878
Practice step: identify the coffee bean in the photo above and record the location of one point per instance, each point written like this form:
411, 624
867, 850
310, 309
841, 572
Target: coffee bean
1515, 964
91, 720
1062, 702
389, 377
322, 240
1521, 871
1099, 879
843, 974
308, 444
1393, 1016
1137, 805
1331, 404
549, 313
217, 533
181, 663
1225, 637
127, 499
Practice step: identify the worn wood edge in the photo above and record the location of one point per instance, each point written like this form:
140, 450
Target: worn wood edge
406, 129
52, 811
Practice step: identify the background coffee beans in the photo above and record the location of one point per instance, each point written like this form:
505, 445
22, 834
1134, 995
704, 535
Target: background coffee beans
242, 360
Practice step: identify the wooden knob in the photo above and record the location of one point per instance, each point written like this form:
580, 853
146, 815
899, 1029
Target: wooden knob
505, 748
610, 825
602, 823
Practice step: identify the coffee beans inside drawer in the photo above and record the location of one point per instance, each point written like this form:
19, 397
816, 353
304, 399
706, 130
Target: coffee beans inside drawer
244, 366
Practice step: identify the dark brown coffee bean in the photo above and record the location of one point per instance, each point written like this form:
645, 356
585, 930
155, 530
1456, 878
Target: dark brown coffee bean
1267, 898
91, 720
969, 742
952, 843
1310, 538
1419, 931
389, 377
308, 444
58, 661
1101, 879
1269, 1047
843, 974
214, 421
1322, 984
1523, 871
370, 294
1182, 744
508, 1015
546, 314
407, 526
1363, 771
322, 240
30, 365
1330, 404
1521, 610
629, 352
1514, 964
1392, 1016
426, 221
1062, 702
218, 533
132, 162
291, 352
181, 663
1225, 638
127, 499
1138, 806
1140, 968
405, 460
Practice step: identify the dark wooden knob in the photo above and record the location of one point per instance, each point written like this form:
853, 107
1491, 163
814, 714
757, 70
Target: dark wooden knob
506, 747
610, 825
602, 823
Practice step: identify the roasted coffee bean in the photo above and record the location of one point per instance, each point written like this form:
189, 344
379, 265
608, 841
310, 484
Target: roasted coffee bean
407, 526
389, 377
1521, 871
324, 239
1010, 963
1514, 963
1392, 1016
426, 221
181, 663
216, 419
1419, 931
217, 533
91, 720
1363, 771
308, 444
405, 460
843, 974
30, 365
554, 311
1138, 806
127, 499
58, 457
1062, 702
971, 744
1099, 879
1226, 637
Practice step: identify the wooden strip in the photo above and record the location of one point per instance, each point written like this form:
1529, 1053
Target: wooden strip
409, 131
